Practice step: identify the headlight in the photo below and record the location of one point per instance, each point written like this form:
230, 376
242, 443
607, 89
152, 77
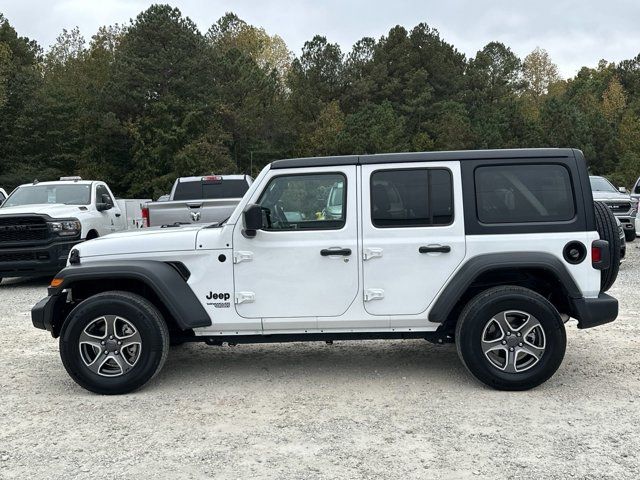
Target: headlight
66, 228
634, 206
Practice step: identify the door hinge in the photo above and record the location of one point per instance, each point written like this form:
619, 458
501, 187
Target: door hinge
369, 253
373, 294
242, 257
245, 297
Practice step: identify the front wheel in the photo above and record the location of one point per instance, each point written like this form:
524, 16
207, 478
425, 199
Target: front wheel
630, 235
114, 342
510, 338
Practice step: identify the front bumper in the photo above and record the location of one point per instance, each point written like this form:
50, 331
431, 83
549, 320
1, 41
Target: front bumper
628, 222
49, 313
592, 312
35, 260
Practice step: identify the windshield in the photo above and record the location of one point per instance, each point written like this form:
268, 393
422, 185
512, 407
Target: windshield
600, 184
43, 194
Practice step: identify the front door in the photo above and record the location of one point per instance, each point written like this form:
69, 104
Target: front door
413, 236
303, 263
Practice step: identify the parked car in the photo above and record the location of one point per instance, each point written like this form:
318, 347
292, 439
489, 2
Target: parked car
41, 221
621, 204
202, 200
492, 250
3, 195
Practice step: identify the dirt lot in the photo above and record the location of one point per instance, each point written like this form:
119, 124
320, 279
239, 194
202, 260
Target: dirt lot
379, 409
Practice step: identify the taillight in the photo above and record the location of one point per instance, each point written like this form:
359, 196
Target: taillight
145, 217
600, 255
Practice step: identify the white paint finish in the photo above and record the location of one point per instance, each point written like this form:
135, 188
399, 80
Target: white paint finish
409, 280
585, 276
287, 273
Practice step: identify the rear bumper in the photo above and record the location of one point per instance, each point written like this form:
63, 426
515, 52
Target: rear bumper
35, 260
592, 312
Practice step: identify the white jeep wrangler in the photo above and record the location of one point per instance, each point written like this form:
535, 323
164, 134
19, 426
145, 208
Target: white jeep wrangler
492, 250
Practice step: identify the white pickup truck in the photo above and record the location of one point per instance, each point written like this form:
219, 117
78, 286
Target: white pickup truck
41, 221
207, 199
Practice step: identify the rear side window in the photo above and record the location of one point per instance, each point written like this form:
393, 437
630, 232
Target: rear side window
417, 197
210, 189
524, 193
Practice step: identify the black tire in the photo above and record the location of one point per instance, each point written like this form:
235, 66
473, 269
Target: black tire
138, 312
630, 235
608, 230
472, 325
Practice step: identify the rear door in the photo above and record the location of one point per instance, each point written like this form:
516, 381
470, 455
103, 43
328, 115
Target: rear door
413, 235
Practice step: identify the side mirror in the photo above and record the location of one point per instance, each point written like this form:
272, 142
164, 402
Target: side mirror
104, 204
252, 220
622, 190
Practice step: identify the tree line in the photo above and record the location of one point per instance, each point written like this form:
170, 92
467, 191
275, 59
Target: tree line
141, 104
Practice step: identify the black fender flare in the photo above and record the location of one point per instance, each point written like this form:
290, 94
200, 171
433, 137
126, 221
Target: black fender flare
162, 278
480, 264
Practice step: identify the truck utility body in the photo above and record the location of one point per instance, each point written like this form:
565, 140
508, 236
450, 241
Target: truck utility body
489, 249
202, 200
40, 222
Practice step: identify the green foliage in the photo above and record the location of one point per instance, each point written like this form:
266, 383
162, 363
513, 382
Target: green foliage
140, 104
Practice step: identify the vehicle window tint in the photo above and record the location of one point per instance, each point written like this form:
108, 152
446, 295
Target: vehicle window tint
411, 198
225, 189
304, 202
210, 189
102, 190
524, 193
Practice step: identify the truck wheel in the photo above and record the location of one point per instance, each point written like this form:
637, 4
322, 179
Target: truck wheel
608, 230
630, 235
510, 338
114, 342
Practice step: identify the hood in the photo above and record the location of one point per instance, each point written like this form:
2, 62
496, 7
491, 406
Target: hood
613, 196
54, 210
146, 240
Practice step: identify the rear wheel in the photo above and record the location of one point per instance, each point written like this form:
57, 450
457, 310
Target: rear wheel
608, 230
114, 342
510, 338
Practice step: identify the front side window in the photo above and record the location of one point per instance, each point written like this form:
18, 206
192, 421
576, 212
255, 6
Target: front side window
100, 191
524, 193
304, 202
419, 197
50, 194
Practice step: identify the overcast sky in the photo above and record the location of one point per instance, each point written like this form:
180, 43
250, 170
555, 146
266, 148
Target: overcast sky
575, 33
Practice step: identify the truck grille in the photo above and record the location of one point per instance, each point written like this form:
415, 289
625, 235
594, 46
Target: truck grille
23, 229
619, 207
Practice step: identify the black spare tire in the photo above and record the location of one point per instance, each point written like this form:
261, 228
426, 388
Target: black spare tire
608, 230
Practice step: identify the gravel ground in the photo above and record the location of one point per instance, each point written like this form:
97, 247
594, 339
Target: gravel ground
377, 409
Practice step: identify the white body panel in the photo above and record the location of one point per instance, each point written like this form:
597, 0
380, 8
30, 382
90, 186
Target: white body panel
406, 280
284, 285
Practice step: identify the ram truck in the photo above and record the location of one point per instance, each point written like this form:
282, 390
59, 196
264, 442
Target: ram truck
41, 221
492, 250
202, 200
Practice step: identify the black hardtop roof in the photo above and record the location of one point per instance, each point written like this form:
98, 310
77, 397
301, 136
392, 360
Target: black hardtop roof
537, 153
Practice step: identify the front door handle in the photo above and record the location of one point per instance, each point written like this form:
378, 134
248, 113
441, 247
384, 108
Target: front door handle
435, 249
327, 252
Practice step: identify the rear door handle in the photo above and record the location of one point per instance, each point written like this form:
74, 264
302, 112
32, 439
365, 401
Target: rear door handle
435, 249
327, 252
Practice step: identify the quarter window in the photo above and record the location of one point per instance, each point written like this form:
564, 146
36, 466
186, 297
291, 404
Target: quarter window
304, 202
524, 193
411, 198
